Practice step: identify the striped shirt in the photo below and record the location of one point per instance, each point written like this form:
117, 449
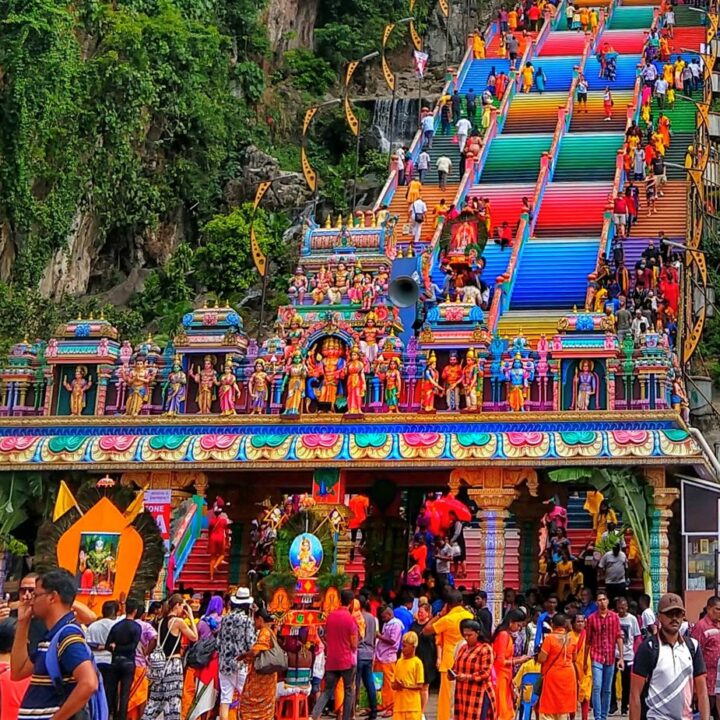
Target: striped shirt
42, 699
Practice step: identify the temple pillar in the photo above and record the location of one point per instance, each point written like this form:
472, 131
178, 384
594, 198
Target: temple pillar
527, 516
494, 490
660, 514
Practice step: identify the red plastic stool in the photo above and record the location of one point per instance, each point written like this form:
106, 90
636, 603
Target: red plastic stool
292, 707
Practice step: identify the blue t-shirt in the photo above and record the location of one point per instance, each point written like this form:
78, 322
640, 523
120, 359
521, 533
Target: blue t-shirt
42, 700
405, 617
589, 609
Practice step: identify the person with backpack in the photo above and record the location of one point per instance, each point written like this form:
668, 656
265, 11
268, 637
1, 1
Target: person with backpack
64, 679
418, 211
668, 670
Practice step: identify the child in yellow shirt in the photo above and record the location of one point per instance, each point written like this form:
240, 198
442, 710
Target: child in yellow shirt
408, 682
528, 667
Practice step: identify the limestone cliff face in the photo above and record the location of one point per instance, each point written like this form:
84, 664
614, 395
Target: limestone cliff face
291, 24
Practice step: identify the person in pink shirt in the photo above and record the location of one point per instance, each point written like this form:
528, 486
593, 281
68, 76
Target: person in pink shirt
342, 636
11, 691
707, 633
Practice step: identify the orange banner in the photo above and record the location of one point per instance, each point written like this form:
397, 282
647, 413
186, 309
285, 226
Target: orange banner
386, 33
416, 39
259, 257
309, 115
389, 75
444, 7
350, 116
349, 72
308, 171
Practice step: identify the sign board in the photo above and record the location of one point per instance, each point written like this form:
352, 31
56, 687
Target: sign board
158, 504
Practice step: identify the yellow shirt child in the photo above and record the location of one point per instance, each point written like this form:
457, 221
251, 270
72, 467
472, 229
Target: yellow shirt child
408, 682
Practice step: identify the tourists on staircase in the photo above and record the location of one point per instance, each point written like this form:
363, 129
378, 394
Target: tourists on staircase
582, 93
661, 86
540, 80
418, 211
456, 103
413, 193
444, 168
501, 83
658, 168
463, 127
478, 45
423, 164
533, 15
528, 76
512, 45
608, 103
569, 13
687, 81
471, 104
428, 128
620, 214
445, 118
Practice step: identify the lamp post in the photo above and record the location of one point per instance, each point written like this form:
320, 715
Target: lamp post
391, 77
352, 120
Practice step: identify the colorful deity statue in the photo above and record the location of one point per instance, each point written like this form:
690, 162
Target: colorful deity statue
470, 380
678, 396
370, 338
320, 292
355, 293
138, 381
342, 278
78, 389
228, 390
517, 377
382, 280
430, 386
298, 285
585, 386
393, 385
175, 388
332, 370
259, 388
206, 380
368, 292
294, 381
355, 384
294, 337
452, 379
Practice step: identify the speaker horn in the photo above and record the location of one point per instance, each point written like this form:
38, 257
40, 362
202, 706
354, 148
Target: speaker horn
404, 290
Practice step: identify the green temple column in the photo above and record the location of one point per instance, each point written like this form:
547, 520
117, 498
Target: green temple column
660, 515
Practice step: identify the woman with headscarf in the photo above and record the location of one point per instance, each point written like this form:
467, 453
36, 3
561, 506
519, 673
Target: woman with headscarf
426, 650
201, 685
474, 692
503, 648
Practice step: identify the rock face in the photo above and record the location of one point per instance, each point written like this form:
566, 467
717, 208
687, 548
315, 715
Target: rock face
291, 24
288, 191
161, 242
7, 252
68, 273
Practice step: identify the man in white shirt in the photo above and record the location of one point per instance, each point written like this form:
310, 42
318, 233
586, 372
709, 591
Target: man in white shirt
423, 164
418, 211
97, 635
661, 87
444, 167
428, 127
463, 127
647, 616
670, 21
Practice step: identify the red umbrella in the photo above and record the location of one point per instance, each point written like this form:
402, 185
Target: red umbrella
450, 503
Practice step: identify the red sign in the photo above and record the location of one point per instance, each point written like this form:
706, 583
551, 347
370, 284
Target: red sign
157, 503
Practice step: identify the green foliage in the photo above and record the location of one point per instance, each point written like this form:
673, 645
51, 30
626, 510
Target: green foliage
20, 493
308, 72
224, 261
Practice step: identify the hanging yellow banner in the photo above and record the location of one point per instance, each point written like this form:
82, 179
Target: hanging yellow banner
350, 116
444, 7
309, 115
411, 5
386, 33
349, 73
308, 171
389, 75
416, 39
259, 257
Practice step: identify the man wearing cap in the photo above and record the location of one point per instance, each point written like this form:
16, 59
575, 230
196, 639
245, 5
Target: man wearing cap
236, 636
707, 634
668, 669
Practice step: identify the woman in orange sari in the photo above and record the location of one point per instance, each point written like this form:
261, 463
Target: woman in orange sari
504, 663
258, 699
584, 677
558, 698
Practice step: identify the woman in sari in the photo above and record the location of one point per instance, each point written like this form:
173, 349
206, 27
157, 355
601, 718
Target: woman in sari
558, 698
474, 693
258, 699
584, 677
503, 646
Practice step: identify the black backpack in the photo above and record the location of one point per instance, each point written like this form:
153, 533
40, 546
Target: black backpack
653, 644
200, 653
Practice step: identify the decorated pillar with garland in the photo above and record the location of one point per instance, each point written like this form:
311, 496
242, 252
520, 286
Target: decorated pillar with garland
663, 498
494, 490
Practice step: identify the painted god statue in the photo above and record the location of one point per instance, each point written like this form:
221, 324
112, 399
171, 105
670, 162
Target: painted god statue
585, 386
470, 381
228, 390
175, 389
355, 383
78, 389
259, 388
370, 338
516, 376
392, 378
206, 379
333, 369
137, 380
452, 380
294, 381
430, 386
298, 286
294, 337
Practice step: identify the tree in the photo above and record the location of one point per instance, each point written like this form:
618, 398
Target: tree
626, 493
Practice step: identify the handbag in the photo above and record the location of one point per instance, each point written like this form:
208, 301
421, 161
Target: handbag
273, 660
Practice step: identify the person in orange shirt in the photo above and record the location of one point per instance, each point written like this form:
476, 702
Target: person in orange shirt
558, 697
446, 628
358, 505
505, 662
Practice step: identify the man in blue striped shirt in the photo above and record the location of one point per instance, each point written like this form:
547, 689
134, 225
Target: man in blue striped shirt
52, 602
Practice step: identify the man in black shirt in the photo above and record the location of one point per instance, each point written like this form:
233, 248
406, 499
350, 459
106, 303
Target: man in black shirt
482, 613
122, 640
